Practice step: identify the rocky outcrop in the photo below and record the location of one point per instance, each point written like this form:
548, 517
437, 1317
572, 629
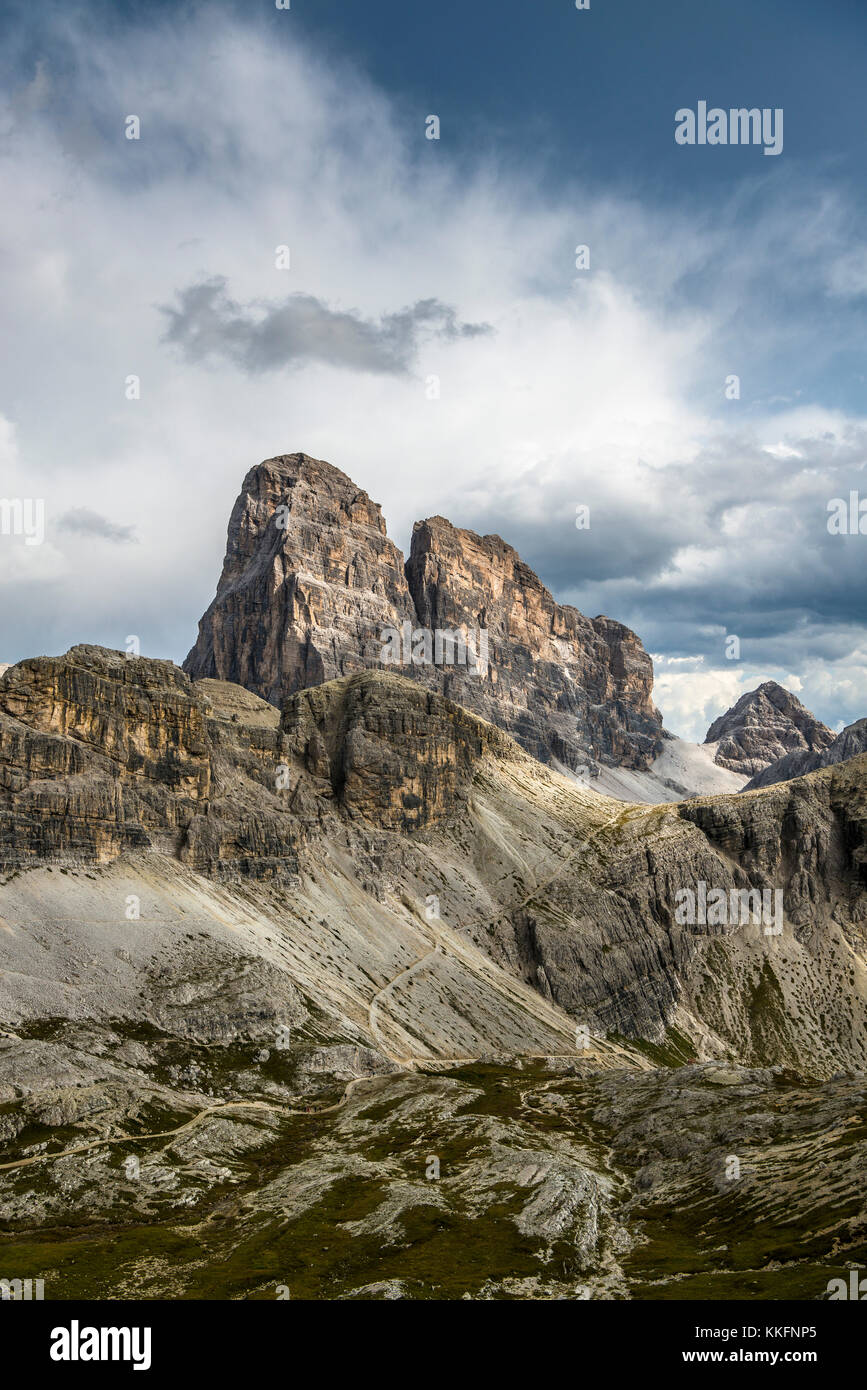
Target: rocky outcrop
565, 686
848, 744
312, 586
765, 725
309, 581
101, 753
390, 753
93, 748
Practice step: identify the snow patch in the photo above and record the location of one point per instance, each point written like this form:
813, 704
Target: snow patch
682, 770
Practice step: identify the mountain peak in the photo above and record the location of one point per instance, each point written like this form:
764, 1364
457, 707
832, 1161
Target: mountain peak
311, 585
763, 726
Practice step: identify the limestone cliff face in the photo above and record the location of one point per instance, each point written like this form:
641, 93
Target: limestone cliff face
93, 747
311, 583
563, 685
765, 725
402, 759
142, 715
101, 754
849, 743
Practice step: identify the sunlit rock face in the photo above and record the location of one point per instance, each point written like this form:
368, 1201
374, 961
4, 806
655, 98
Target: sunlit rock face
309, 582
564, 686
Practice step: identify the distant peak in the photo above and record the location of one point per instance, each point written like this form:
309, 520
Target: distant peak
764, 725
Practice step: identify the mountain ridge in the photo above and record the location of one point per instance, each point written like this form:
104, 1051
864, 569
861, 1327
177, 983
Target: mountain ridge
848, 744
311, 583
259, 967
105, 756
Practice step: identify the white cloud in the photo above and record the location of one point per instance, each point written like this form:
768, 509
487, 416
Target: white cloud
691, 700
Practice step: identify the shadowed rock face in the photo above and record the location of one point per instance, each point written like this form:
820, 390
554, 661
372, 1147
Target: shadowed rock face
311, 582
848, 744
399, 757
762, 727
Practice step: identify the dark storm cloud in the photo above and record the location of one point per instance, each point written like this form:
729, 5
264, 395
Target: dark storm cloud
207, 324
84, 522
736, 541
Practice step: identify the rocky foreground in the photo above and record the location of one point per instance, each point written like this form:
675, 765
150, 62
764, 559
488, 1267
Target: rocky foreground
357, 999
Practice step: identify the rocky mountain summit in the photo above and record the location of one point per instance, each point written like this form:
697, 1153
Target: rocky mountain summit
311, 585
558, 682
763, 726
309, 582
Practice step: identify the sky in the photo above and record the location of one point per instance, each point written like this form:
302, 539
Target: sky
427, 327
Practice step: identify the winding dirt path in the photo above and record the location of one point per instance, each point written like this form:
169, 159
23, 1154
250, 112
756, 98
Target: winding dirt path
188, 1124
375, 1003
